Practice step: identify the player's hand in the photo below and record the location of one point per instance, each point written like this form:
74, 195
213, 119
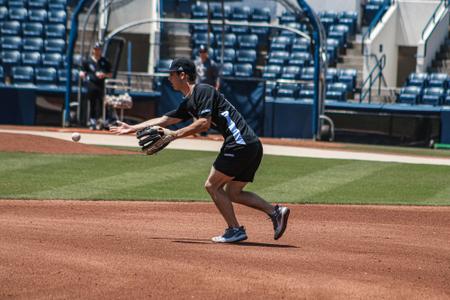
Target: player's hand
100, 75
166, 131
82, 74
122, 128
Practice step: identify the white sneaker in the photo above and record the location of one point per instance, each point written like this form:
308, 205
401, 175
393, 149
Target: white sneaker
231, 235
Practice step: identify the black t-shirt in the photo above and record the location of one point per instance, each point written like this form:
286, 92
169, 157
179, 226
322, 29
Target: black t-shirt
90, 66
206, 101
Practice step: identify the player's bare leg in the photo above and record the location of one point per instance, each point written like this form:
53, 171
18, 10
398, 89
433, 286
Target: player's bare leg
214, 185
234, 190
278, 214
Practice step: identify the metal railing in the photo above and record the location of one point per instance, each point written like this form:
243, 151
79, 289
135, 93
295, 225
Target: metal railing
432, 19
375, 21
375, 73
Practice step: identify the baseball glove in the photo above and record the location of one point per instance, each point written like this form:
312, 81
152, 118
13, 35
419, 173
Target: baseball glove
153, 139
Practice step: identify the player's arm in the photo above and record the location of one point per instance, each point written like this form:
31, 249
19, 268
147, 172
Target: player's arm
199, 125
124, 128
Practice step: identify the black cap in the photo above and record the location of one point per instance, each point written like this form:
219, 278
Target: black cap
202, 49
97, 45
183, 65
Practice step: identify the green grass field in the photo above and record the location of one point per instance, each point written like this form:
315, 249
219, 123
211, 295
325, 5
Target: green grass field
179, 175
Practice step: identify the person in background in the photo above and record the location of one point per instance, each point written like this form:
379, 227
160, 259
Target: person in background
95, 70
207, 69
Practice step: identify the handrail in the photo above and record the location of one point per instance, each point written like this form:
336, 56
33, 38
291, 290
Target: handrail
432, 18
375, 21
381, 63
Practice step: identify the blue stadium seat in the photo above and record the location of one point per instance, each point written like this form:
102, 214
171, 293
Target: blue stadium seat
287, 90
307, 74
270, 88
287, 17
217, 30
350, 23
57, 16
348, 76
52, 60
272, 72
292, 34
239, 29
32, 29
329, 14
262, 32
217, 12
2, 76
300, 45
46, 77
3, 14
339, 35
57, 4
240, 13
327, 23
198, 28
55, 31
438, 80
62, 76
418, 79
249, 41
243, 70
278, 57
246, 56
260, 14
33, 44
202, 39
291, 72
410, 95
227, 69
433, 96
32, 4
55, 45
10, 57
281, 43
18, 14
336, 91
195, 52
37, 15
229, 55
229, 40
31, 59
199, 10
301, 59
447, 99
306, 94
11, 28
332, 75
10, 42
163, 65
22, 75
16, 4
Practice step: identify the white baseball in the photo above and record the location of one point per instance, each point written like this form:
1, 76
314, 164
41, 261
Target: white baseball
76, 136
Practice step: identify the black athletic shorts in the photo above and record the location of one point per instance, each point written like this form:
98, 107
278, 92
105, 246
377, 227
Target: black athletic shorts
240, 162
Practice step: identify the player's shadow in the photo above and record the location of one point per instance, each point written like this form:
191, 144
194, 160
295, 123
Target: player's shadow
207, 241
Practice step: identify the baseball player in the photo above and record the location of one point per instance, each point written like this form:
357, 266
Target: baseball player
239, 157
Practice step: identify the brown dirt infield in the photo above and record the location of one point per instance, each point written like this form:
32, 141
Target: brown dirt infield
142, 250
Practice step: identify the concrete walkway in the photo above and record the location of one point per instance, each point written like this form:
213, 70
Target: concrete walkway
208, 145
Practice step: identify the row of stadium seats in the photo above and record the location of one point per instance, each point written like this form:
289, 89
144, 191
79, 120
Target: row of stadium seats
348, 18
231, 40
235, 12
32, 29
33, 44
304, 91
423, 80
431, 96
46, 4
33, 15
42, 76
34, 58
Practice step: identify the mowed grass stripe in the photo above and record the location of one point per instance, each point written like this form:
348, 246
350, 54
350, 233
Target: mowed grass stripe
304, 188
129, 180
25, 162
396, 184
